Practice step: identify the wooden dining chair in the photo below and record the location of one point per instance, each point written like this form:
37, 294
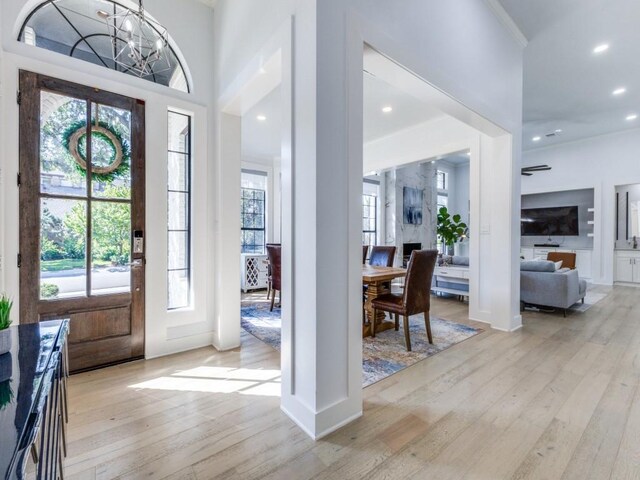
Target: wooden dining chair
365, 250
416, 297
269, 289
274, 252
382, 256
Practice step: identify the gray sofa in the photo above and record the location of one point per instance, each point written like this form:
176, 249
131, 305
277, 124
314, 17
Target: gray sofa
542, 285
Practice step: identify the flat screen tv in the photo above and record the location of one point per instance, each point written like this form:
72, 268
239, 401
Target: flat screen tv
552, 221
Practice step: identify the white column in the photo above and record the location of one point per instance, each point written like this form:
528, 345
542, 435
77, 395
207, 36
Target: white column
322, 349
227, 281
495, 242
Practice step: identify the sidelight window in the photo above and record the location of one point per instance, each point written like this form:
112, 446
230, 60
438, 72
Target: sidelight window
179, 211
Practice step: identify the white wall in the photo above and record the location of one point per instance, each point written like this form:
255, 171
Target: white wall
461, 191
166, 332
600, 163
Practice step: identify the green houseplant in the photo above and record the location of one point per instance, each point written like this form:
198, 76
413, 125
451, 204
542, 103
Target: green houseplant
450, 228
5, 321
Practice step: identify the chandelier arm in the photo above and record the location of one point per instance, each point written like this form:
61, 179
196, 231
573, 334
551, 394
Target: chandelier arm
131, 68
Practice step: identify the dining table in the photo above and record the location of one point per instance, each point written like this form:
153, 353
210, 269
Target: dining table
377, 279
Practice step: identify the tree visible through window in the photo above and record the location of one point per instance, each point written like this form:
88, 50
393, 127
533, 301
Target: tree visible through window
252, 220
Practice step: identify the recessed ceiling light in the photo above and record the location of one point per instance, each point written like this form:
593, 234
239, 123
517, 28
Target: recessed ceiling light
102, 14
601, 48
558, 130
619, 91
536, 139
261, 118
631, 117
387, 109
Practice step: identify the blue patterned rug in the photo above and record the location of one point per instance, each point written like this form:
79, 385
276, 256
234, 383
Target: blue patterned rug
382, 356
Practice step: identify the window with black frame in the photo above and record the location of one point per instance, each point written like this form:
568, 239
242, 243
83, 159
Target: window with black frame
253, 220
179, 211
369, 219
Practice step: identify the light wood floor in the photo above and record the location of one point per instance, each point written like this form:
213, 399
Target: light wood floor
558, 399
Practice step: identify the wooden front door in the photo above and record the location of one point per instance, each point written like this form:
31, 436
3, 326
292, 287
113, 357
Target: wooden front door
82, 216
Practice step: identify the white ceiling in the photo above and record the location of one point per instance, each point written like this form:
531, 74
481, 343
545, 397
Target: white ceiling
566, 85
456, 159
261, 139
407, 109
209, 3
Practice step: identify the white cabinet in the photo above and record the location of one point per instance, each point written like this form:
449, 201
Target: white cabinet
455, 277
627, 267
526, 253
254, 271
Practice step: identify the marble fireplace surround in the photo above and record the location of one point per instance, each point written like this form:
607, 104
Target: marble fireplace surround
420, 176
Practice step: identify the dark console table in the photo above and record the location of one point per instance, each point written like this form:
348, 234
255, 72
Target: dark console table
33, 401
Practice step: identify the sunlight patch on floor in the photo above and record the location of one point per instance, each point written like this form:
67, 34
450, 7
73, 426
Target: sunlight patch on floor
243, 381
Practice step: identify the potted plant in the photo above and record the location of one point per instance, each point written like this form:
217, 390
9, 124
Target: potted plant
5, 321
450, 229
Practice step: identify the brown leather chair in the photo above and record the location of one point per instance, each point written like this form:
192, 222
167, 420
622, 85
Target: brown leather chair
365, 249
274, 253
416, 297
382, 256
269, 273
568, 259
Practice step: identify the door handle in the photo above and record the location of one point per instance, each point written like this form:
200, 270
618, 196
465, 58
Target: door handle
137, 263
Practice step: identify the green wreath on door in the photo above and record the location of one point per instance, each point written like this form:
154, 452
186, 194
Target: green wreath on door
119, 162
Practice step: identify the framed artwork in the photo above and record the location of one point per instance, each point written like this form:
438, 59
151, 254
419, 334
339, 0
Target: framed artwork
412, 206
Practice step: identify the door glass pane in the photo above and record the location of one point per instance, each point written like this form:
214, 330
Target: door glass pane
63, 127
62, 248
110, 151
110, 247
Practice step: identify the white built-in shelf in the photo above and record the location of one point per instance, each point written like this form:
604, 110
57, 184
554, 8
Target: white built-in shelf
592, 211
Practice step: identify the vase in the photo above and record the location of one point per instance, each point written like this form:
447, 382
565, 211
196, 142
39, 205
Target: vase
5, 340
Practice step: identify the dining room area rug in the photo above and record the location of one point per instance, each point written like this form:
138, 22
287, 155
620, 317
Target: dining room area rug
381, 356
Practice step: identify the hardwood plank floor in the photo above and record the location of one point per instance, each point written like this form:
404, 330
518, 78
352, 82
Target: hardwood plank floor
559, 399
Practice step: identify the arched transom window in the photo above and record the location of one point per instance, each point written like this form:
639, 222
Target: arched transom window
104, 32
